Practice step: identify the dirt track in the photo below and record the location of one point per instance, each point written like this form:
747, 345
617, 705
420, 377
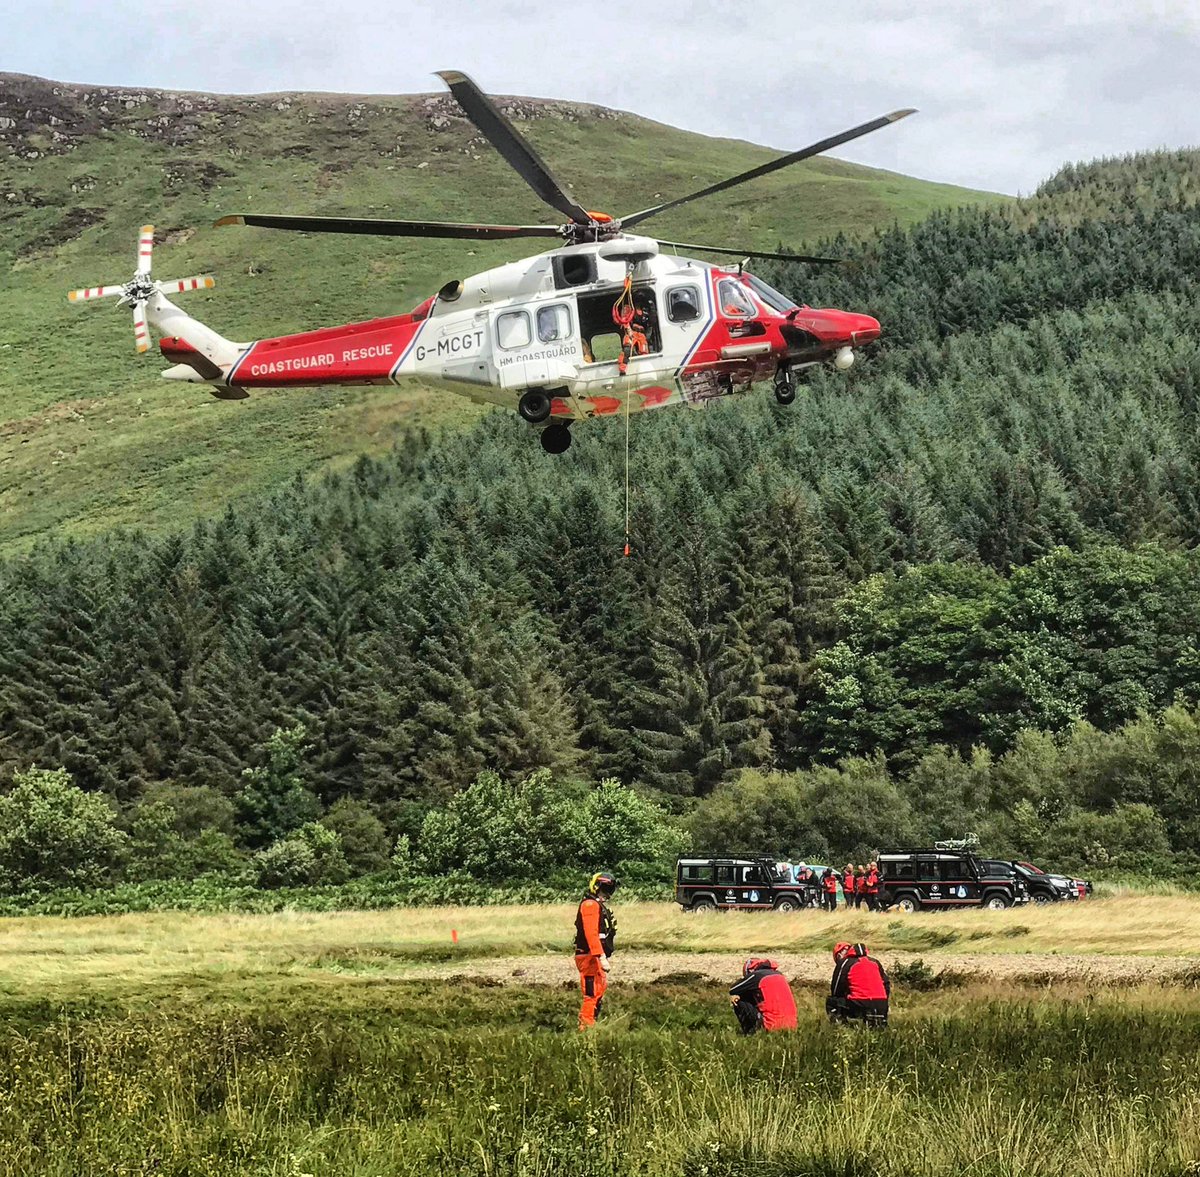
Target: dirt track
720, 966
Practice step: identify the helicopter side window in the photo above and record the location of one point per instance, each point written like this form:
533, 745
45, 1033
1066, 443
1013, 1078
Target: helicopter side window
512, 330
683, 304
553, 322
735, 304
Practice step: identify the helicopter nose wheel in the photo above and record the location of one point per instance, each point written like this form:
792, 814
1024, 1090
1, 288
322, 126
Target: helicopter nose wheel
534, 406
785, 387
556, 438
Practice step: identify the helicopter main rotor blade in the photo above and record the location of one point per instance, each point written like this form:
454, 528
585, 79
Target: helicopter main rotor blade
773, 166
775, 257
511, 144
386, 228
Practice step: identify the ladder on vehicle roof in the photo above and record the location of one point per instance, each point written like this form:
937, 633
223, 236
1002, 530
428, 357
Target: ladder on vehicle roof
968, 842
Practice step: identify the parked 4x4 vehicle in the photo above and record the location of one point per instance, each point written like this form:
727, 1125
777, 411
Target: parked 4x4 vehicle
913, 879
756, 884
1045, 887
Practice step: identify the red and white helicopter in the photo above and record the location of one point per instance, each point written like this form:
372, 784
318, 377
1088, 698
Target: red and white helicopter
608, 322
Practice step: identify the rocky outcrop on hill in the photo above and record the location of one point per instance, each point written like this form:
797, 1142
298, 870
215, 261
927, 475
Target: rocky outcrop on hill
40, 118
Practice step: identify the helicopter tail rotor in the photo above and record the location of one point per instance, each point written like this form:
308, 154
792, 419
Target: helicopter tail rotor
137, 292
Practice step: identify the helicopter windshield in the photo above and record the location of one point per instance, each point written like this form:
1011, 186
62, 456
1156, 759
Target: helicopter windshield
769, 295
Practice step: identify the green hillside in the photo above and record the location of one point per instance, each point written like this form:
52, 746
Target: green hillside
90, 437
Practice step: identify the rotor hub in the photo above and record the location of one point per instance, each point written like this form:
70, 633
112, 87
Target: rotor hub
601, 228
138, 289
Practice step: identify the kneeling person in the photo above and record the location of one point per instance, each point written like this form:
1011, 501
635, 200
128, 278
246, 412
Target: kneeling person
762, 999
860, 988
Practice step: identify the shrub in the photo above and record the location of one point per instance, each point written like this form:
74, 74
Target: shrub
53, 834
496, 830
196, 807
363, 838
613, 824
153, 843
289, 862
311, 856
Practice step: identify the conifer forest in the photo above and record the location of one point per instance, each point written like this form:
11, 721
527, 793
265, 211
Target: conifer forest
955, 588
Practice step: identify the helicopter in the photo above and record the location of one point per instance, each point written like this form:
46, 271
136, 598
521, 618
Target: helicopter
607, 322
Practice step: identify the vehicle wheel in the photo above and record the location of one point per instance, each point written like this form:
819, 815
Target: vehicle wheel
785, 391
995, 903
534, 406
703, 905
908, 903
556, 439
788, 903
1042, 898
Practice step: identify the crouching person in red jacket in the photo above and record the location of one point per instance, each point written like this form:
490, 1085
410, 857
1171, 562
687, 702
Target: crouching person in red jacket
762, 999
860, 988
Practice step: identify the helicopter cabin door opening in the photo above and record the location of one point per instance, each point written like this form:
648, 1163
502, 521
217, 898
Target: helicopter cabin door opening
601, 337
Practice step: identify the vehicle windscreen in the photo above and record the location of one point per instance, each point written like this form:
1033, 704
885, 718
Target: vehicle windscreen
769, 295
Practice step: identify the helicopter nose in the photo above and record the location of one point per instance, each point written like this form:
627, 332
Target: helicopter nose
863, 329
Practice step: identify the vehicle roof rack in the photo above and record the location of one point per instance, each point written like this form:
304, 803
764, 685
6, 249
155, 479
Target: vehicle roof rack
967, 842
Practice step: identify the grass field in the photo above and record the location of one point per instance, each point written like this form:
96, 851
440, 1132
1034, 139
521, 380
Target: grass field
348, 1044
90, 437
131, 959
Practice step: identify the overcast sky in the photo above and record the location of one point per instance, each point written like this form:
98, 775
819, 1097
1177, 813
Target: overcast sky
1008, 90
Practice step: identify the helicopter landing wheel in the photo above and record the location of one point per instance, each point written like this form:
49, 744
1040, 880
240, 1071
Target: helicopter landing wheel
556, 438
785, 391
534, 406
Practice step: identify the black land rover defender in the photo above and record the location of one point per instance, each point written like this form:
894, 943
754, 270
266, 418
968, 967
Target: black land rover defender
752, 884
913, 879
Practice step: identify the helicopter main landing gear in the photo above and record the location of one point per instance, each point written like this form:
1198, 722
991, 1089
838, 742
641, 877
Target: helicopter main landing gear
534, 406
556, 438
785, 387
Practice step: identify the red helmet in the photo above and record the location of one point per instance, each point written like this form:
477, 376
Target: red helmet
755, 964
843, 950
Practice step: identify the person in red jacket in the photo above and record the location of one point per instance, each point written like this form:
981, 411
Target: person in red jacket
860, 988
870, 885
829, 888
595, 938
762, 999
848, 884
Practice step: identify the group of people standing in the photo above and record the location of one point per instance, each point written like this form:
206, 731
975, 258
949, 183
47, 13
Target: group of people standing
859, 885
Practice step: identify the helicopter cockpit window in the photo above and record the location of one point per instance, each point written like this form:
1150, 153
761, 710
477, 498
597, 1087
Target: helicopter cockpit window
512, 329
771, 296
735, 303
683, 304
553, 323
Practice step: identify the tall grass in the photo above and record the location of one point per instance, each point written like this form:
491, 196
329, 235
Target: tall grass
485, 1081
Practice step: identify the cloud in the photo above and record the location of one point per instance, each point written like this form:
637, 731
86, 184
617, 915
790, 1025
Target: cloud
1008, 91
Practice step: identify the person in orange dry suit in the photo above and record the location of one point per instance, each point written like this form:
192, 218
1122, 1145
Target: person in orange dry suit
595, 938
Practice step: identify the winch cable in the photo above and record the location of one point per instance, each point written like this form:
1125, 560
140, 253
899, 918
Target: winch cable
628, 398
631, 339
